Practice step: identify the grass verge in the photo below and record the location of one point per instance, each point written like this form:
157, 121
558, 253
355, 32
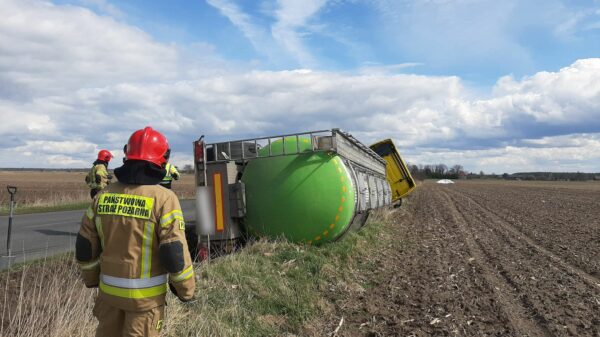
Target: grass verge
276, 288
45, 298
269, 288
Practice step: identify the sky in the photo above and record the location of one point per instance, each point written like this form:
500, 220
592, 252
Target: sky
495, 86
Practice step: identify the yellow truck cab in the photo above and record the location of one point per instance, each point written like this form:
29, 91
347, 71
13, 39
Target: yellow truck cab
397, 173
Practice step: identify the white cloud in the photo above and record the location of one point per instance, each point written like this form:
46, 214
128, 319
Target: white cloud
465, 32
578, 21
258, 36
285, 40
572, 153
64, 147
418, 111
53, 154
568, 97
47, 49
371, 68
241, 20
123, 80
292, 18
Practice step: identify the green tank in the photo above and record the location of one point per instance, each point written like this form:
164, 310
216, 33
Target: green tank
306, 197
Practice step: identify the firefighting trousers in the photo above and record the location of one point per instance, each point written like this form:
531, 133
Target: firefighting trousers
114, 322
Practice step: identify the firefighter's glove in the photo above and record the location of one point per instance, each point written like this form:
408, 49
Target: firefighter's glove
109, 177
186, 301
176, 176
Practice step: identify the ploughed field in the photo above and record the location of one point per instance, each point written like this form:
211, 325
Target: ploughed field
485, 258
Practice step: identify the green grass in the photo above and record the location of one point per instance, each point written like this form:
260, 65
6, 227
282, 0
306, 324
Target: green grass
4, 210
273, 288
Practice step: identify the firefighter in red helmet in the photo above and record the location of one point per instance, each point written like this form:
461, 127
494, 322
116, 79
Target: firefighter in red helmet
98, 176
132, 244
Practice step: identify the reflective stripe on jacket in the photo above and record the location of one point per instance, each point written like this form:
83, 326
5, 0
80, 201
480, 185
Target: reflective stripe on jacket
136, 236
171, 172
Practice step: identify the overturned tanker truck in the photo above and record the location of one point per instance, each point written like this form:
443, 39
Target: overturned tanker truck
311, 187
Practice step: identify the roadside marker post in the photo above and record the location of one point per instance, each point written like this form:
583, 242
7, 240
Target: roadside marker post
8, 259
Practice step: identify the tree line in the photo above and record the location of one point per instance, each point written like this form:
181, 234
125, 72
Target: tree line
457, 171
437, 171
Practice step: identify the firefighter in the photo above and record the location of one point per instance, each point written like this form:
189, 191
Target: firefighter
172, 173
98, 176
132, 244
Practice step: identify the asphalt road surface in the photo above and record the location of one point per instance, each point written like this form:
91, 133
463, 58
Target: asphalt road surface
42, 235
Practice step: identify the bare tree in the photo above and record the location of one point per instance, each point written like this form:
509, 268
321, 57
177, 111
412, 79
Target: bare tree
441, 169
457, 169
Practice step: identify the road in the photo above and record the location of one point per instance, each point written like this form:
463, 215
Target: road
45, 234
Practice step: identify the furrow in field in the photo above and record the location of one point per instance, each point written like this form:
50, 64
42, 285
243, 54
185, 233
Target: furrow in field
518, 309
559, 299
592, 280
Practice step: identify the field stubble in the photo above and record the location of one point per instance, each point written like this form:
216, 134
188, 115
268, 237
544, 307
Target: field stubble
49, 189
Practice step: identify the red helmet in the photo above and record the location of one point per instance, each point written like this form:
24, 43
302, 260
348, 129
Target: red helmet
149, 145
105, 155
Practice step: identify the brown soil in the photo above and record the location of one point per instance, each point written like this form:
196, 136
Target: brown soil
484, 259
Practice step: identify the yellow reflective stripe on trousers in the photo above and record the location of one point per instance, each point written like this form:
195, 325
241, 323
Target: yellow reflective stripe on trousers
89, 213
184, 275
168, 218
89, 265
99, 230
133, 293
147, 249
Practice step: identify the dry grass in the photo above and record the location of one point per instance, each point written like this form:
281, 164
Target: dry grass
51, 189
267, 289
46, 299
